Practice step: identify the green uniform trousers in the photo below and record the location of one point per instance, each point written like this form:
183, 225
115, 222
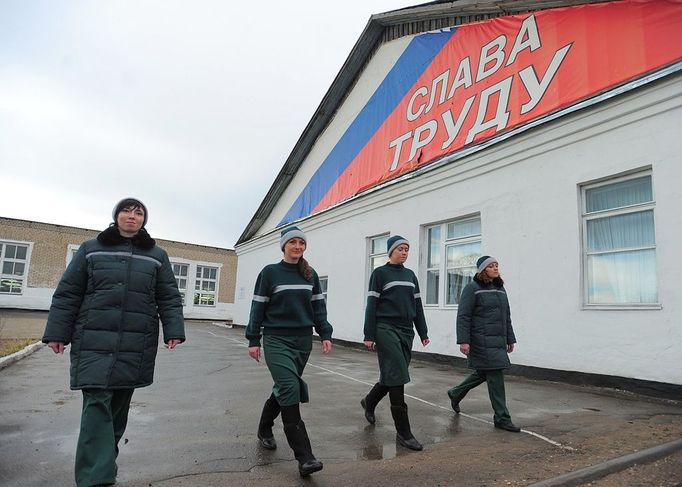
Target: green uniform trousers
286, 357
394, 352
495, 381
103, 422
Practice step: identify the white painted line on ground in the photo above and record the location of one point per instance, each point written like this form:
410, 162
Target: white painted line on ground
531, 433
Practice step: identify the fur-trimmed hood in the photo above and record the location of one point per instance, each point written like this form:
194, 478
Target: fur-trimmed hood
111, 236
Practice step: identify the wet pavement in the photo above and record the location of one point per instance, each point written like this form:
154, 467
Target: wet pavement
195, 426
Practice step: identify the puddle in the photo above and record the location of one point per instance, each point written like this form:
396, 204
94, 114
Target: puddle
378, 452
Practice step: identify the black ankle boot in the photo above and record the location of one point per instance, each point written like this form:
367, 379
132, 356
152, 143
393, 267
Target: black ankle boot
297, 436
404, 434
370, 401
267, 420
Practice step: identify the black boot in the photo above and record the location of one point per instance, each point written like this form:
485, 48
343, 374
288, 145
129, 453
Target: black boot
297, 436
267, 420
402, 427
370, 401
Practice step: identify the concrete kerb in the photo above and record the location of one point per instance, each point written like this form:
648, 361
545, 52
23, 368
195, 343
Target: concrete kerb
595, 472
16, 356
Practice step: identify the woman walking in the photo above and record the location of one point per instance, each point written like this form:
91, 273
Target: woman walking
486, 337
287, 304
393, 306
107, 306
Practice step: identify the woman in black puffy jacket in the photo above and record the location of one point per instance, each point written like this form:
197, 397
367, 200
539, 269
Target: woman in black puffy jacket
107, 306
485, 335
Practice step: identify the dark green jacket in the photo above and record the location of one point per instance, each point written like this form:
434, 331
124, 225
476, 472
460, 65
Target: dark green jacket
108, 304
285, 303
484, 322
393, 298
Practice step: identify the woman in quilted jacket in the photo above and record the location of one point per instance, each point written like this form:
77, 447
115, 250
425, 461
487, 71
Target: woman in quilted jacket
107, 306
485, 335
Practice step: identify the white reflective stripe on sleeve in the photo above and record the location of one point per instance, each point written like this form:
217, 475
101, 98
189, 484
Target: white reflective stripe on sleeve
398, 283
373, 294
317, 297
489, 291
417, 296
288, 287
260, 299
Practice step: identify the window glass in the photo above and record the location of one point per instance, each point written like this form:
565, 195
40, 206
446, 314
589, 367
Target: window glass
13, 267
620, 246
618, 195
205, 286
454, 257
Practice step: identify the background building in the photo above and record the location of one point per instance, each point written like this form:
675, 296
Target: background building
547, 137
33, 257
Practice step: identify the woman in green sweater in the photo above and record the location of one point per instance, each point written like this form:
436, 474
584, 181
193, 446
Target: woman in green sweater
287, 304
393, 306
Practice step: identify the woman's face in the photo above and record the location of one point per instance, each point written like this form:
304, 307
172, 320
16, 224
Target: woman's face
493, 270
130, 219
293, 249
399, 254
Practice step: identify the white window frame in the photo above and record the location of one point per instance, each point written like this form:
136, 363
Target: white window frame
186, 277
374, 255
442, 267
630, 209
26, 262
324, 286
207, 279
191, 279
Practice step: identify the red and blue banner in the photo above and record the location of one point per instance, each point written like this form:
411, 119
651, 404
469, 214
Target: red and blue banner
457, 88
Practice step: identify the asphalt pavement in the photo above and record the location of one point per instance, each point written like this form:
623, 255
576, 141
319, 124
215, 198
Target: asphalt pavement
195, 426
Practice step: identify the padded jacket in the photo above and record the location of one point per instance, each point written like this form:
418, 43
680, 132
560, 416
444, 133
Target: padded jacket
107, 306
484, 322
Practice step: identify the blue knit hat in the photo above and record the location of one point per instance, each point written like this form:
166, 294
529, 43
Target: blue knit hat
394, 241
484, 262
289, 233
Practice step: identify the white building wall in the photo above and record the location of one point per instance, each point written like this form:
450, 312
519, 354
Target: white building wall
527, 192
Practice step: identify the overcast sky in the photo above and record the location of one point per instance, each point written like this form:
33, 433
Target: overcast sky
190, 106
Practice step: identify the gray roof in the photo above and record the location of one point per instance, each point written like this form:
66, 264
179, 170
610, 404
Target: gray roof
382, 28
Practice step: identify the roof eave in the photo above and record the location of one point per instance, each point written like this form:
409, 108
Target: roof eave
363, 48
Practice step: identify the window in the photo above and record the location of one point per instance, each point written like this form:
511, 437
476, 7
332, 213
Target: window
180, 271
324, 282
451, 251
377, 252
619, 242
205, 286
13, 267
71, 253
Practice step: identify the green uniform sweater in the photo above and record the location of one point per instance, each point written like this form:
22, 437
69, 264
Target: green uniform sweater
284, 303
393, 298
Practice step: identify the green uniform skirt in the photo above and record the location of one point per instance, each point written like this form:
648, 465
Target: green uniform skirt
394, 351
286, 357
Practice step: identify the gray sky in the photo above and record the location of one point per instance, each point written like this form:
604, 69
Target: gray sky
191, 106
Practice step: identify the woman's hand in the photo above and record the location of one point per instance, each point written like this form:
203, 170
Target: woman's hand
510, 348
425, 342
171, 344
465, 348
370, 344
326, 346
57, 347
254, 353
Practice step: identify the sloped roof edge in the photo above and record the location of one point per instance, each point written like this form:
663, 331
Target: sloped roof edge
355, 62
